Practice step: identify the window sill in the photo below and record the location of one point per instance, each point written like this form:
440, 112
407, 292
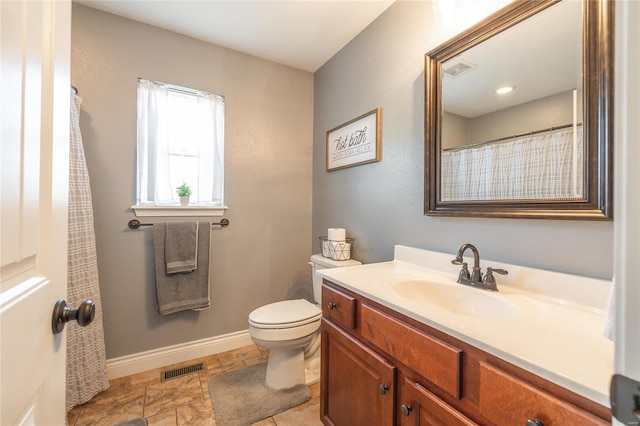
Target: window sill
178, 211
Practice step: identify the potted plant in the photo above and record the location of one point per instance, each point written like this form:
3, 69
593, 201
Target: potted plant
184, 191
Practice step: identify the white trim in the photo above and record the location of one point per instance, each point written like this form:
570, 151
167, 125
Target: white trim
161, 357
178, 211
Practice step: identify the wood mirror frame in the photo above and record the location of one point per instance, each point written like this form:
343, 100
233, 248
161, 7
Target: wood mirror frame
597, 77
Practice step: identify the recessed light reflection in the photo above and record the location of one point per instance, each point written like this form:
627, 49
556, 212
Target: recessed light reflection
505, 89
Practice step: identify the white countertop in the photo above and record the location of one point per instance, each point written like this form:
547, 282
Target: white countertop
556, 331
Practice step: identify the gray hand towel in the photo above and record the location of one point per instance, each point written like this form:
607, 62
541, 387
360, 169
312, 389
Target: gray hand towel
185, 291
181, 247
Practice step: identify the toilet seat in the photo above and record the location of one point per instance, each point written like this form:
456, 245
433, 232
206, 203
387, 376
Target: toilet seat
285, 314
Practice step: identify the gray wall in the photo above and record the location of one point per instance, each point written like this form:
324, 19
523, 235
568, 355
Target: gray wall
381, 204
262, 256
543, 113
554, 110
455, 130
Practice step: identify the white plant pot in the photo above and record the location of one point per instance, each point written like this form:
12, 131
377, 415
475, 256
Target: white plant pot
184, 201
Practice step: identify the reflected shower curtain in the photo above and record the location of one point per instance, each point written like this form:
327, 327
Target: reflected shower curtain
86, 357
529, 168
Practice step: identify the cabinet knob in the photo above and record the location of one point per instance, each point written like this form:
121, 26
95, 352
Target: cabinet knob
383, 389
534, 422
332, 305
406, 409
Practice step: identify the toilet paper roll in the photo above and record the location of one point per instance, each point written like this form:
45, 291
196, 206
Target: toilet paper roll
336, 234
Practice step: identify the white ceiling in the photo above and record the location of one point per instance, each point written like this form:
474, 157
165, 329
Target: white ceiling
303, 34
541, 56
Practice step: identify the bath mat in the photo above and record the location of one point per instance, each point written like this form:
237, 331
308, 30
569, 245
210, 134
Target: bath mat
240, 397
140, 421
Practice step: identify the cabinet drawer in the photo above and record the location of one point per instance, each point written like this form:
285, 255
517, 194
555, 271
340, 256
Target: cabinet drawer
420, 407
507, 400
339, 307
435, 360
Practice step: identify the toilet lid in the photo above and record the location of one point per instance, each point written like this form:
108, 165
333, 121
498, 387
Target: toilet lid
289, 312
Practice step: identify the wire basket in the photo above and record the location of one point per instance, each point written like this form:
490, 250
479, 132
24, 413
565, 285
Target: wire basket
336, 250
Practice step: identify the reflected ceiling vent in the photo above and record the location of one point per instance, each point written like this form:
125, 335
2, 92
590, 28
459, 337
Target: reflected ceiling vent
457, 67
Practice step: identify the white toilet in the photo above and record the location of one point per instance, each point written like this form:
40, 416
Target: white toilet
291, 331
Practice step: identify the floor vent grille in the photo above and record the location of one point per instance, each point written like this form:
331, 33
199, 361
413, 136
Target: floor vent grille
182, 371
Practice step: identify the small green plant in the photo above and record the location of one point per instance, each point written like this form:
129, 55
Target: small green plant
183, 190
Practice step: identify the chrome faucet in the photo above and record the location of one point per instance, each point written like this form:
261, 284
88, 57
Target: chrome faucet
475, 278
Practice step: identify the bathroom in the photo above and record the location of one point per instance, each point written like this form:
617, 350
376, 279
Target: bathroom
279, 195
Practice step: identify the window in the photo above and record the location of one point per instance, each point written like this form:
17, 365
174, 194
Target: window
180, 139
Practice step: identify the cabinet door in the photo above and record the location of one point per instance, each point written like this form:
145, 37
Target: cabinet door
419, 407
357, 385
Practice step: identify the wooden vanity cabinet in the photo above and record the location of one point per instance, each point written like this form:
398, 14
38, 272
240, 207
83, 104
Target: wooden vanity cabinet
380, 367
358, 385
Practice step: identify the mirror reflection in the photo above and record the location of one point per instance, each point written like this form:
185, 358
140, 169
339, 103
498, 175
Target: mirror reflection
518, 114
512, 113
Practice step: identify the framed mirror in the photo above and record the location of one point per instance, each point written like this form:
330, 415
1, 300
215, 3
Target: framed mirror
543, 149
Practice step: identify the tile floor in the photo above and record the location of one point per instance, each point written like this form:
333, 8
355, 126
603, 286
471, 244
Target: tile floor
184, 400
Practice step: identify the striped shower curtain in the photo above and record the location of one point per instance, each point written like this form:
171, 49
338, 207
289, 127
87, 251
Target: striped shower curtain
86, 357
541, 167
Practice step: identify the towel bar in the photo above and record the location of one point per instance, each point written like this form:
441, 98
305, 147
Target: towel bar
135, 223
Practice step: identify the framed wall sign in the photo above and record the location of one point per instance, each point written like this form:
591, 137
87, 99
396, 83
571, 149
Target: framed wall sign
355, 142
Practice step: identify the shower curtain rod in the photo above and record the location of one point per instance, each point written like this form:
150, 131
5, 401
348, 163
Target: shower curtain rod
135, 223
533, 132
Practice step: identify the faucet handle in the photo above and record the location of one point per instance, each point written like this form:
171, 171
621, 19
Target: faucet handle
464, 274
489, 280
497, 271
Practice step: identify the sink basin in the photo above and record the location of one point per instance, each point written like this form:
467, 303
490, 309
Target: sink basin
455, 298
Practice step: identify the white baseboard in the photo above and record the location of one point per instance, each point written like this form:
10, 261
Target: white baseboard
156, 358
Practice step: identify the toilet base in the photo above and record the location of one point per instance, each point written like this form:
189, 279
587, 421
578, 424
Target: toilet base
312, 371
292, 363
281, 367
285, 368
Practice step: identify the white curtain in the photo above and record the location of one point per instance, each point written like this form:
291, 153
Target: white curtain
155, 183
534, 167
210, 121
86, 357
153, 148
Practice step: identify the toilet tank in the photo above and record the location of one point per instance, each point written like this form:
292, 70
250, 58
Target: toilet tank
320, 262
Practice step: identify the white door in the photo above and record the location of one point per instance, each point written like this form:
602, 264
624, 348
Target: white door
627, 210
35, 76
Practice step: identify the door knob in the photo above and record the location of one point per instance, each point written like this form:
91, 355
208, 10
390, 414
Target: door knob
63, 314
332, 305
